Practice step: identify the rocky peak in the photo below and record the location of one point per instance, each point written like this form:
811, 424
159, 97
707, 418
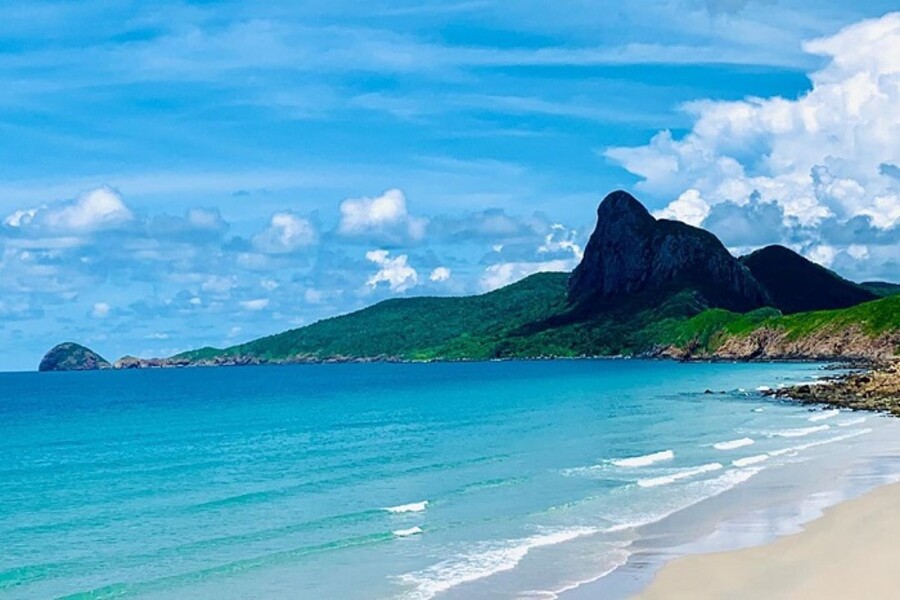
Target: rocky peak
631, 252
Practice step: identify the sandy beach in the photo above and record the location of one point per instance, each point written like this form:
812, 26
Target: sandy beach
850, 552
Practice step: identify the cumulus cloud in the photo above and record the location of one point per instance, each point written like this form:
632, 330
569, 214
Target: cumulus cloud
101, 208
285, 233
688, 208
502, 274
439, 274
384, 216
818, 156
396, 272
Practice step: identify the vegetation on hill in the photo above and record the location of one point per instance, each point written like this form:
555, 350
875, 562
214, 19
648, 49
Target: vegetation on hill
70, 356
882, 288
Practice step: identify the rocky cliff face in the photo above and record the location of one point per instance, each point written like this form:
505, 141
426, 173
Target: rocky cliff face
70, 356
631, 252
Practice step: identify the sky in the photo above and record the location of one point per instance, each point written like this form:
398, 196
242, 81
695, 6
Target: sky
185, 174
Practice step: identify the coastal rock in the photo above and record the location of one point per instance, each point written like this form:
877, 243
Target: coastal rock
875, 390
631, 252
70, 356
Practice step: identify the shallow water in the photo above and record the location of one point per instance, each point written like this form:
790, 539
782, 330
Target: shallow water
379, 480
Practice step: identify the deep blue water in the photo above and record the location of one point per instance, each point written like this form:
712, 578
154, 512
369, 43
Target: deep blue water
374, 480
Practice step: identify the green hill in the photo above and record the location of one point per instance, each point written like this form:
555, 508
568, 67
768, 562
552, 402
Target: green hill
882, 288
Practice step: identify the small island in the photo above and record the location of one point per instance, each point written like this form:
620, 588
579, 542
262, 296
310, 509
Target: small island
70, 356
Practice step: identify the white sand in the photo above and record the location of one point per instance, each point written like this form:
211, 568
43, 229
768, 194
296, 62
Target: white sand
852, 552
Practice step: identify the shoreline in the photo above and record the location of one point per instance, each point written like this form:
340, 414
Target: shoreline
804, 565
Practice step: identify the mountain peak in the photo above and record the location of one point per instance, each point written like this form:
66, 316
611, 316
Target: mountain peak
796, 284
621, 202
631, 252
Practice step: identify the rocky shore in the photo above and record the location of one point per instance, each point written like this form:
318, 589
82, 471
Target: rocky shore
877, 389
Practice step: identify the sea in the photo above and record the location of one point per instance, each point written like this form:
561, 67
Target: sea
517, 479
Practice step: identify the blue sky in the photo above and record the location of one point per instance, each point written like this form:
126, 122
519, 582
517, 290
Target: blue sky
205, 173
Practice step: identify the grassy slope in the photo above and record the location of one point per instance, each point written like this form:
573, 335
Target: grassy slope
416, 328
530, 319
711, 327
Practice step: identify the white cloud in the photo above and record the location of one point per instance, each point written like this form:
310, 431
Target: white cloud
819, 155
502, 274
285, 233
822, 254
100, 310
440, 274
688, 208
254, 305
396, 272
101, 208
385, 214
560, 241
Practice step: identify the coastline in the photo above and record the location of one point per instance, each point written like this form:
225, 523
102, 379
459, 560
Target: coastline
847, 553
859, 517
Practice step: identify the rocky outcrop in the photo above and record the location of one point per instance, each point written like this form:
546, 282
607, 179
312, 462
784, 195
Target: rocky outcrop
878, 390
796, 284
70, 356
631, 252
767, 343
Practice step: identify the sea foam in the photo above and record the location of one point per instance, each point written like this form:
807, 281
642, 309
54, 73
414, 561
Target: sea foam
678, 475
405, 508
799, 432
849, 422
645, 460
732, 444
825, 414
750, 460
407, 532
488, 560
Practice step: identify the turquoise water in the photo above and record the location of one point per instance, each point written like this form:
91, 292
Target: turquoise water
375, 480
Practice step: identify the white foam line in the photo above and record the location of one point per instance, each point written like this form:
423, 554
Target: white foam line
643, 461
407, 532
802, 431
405, 508
667, 479
750, 460
732, 444
488, 561
826, 414
830, 440
848, 422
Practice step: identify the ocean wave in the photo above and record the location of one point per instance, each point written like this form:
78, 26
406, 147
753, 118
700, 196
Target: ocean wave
849, 422
750, 460
825, 414
799, 432
405, 508
732, 444
645, 460
831, 440
692, 493
407, 532
683, 474
485, 561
